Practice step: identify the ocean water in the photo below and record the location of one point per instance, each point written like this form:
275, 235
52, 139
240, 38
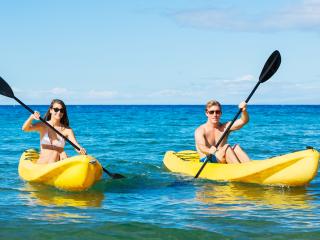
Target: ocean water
152, 203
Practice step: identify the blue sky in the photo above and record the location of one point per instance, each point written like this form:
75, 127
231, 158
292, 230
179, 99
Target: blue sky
159, 52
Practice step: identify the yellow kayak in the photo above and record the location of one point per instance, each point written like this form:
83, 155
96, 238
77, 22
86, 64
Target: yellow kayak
76, 173
293, 169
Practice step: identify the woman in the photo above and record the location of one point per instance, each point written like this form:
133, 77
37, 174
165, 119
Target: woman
52, 144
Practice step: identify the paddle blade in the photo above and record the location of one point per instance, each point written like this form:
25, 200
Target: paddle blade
5, 89
270, 67
117, 176
113, 175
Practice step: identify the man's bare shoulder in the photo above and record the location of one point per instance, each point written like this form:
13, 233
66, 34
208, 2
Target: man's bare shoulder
200, 129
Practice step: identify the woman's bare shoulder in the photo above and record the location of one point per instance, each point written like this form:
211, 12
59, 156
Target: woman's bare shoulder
39, 125
67, 130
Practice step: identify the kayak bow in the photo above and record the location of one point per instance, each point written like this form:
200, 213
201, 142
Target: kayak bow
76, 173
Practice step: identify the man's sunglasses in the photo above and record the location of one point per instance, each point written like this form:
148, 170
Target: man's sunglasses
218, 112
58, 109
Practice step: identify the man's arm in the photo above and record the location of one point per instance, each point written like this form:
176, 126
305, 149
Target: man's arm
244, 119
201, 142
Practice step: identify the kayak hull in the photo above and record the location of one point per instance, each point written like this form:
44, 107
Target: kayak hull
76, 173
293, 169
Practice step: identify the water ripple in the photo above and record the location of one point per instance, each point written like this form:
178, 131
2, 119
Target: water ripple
152, 203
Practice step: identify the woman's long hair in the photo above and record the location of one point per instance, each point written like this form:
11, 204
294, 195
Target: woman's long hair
64, 120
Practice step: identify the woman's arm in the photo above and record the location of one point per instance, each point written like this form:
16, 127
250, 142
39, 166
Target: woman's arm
72, 138
28, 126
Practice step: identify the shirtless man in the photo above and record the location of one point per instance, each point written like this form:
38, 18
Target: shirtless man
209, 133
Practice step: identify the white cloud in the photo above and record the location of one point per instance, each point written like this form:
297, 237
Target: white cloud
44, 94
101, 94
239, 80
304, 15
92, 94
247, 77
16, 90
64, 93
212, 18
59, 91
174, 93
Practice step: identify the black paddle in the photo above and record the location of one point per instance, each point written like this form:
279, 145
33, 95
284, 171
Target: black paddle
6, 90
270, 67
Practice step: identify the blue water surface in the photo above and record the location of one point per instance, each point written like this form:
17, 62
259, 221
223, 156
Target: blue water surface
152, 203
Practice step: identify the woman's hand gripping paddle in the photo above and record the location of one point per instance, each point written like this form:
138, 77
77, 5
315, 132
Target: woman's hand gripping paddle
6, 90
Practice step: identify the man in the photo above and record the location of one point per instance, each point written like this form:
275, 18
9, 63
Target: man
209, 133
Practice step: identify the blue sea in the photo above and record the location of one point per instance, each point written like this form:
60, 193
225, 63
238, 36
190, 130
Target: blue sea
151, 202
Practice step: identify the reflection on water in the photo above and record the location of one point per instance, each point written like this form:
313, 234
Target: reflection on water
239, 196
39, 194
71, 217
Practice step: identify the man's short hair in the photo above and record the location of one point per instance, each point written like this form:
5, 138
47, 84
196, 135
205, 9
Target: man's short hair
213, 103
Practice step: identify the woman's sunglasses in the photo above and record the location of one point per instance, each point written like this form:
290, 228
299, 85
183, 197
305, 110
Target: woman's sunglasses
58, 109
218, 112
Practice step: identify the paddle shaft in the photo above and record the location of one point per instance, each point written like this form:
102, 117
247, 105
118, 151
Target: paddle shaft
227, 130
75, 146
6, 91
59, 133
46, 123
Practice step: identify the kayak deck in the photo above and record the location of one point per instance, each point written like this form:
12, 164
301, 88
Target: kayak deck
76, 173
293, 169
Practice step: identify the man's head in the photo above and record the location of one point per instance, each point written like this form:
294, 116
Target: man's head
213, 111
